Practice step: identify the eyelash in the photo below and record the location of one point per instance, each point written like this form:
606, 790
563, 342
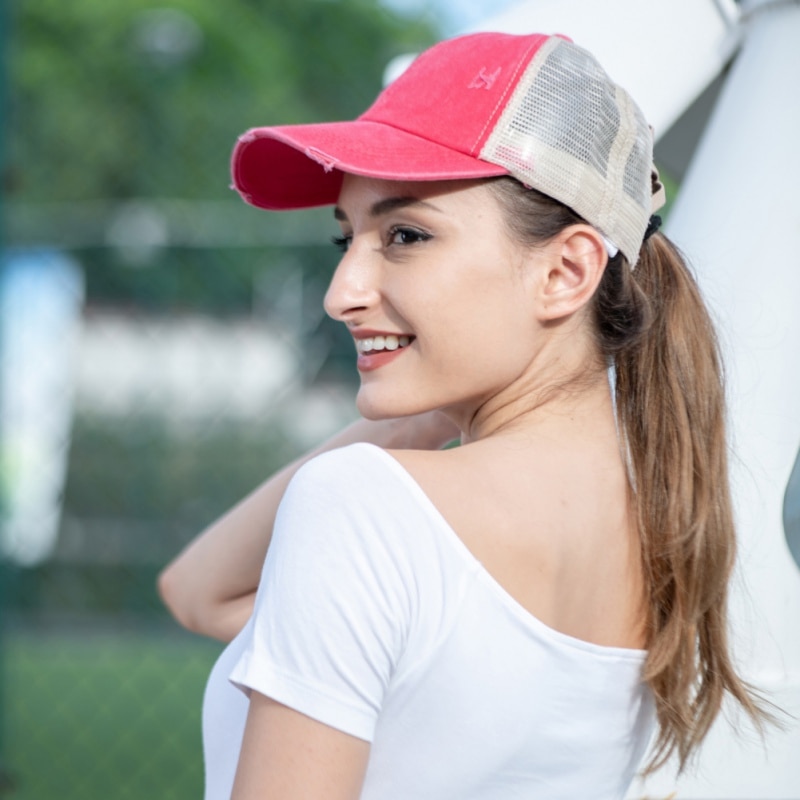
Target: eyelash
341, 242
417, 236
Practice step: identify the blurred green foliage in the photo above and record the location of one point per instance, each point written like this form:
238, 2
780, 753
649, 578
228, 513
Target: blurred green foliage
105, 714
163, 476
134, 98
117, 109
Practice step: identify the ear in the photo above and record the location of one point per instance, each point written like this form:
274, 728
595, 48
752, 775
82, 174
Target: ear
572, 270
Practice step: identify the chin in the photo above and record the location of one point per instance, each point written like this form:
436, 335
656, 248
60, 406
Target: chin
376, 411
373, 407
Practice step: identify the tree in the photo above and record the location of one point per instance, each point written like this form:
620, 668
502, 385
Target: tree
131, 99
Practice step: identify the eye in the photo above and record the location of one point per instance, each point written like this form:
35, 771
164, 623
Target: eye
341, 242
407, 236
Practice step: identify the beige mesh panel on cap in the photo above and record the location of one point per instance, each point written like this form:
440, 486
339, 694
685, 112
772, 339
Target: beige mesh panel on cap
572, 133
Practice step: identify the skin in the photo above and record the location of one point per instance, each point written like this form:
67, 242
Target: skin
515, 324
502, 350
210, 586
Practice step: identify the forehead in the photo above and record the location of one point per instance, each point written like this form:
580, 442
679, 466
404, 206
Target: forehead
376, 196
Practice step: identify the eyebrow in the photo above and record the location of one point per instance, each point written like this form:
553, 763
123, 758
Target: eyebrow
388, 204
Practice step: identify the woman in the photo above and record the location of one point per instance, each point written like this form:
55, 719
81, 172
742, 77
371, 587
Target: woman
513, 617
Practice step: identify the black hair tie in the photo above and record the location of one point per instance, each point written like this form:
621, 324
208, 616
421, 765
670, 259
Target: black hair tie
652, 226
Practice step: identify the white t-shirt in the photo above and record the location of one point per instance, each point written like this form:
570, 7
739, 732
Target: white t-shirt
373, 617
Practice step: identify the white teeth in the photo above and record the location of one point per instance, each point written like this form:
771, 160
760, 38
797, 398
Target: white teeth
388, 342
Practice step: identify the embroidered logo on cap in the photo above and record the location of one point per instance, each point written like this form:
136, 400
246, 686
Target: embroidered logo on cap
484, 79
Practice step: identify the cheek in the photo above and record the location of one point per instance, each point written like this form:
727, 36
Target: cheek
470, 310
493, 336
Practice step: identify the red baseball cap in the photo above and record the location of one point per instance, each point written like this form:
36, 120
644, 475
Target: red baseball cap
536, 107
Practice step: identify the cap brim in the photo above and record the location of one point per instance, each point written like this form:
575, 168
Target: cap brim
300, 166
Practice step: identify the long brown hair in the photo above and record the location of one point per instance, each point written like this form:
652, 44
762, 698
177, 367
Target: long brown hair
651, 322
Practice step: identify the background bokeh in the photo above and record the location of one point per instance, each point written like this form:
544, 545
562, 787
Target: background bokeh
163, 348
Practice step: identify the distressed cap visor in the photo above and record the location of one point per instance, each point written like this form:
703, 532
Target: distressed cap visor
300, 166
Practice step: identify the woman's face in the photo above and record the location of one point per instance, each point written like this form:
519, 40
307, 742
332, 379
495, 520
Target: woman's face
436, 294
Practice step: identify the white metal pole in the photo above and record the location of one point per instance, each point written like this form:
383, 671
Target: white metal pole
738, 219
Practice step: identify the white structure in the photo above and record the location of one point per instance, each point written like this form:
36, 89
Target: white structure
41, 293
191, 371
738, 219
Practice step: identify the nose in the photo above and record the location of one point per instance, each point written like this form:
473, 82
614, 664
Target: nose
353, 288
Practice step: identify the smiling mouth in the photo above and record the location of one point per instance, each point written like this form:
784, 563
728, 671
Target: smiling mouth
379, 344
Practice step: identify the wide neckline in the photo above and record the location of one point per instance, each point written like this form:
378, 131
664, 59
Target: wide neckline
508, 600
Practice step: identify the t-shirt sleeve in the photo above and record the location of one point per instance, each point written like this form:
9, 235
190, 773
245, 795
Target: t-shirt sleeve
333, 607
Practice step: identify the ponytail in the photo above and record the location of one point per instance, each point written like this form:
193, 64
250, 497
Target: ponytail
651, 322
671, 407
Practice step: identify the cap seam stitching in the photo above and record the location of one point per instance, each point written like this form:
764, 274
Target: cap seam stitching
514, 81
619, 154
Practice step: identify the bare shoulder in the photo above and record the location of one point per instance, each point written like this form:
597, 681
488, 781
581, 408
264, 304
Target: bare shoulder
513, 479
486, 489
429, 467
550, 523
469, 483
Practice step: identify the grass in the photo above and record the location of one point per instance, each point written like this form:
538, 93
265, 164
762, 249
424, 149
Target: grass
113, 715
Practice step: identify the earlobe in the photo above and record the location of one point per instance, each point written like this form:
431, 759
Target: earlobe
574, 270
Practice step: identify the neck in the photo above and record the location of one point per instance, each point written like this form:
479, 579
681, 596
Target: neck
564, 387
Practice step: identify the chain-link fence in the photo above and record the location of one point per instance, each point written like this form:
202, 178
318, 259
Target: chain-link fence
163, 349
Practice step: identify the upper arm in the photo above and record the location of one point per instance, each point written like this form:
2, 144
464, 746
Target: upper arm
335, 603
288, 755
335, 607
210, 586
